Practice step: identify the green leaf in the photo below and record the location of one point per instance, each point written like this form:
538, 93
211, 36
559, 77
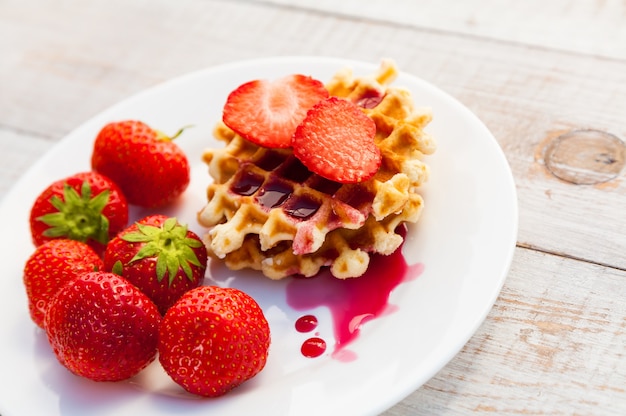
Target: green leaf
78, 217
190, 256
192, 242
172, 267
180, 232
85, 190
57, 203
136, 237
170, 245
102, 233
188, 272
118, 268
100, 201
149, 230
72, 198
161, 267
149, 250
55, 232
54, 219
169, 224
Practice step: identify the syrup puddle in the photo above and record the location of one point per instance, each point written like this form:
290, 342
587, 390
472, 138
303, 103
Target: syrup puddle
351, 302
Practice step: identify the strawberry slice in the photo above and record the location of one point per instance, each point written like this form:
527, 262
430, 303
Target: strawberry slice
336, 141
268, 112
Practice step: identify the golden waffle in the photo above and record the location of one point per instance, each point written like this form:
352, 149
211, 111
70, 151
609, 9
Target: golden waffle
266, 211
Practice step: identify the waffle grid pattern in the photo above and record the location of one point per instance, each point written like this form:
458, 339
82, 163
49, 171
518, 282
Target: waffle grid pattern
267, 212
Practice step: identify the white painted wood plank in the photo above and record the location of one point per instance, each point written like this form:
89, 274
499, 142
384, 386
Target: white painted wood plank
524, 95
18, 151
582, 26
554, 344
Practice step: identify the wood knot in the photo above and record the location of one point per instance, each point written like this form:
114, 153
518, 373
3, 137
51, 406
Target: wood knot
585, 157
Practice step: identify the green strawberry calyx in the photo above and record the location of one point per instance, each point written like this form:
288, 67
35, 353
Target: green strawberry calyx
169, 244
78, 216
160, 136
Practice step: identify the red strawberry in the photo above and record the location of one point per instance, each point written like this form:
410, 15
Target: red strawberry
267, 113
87, 207
102, 327
159, 256
148, 166
336, 141
213, 339
50, 267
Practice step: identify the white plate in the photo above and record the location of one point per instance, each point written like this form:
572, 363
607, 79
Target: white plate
465, 241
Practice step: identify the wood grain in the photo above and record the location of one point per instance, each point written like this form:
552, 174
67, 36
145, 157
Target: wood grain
23, 149
583, 26
525, 95
554, 344
533, 71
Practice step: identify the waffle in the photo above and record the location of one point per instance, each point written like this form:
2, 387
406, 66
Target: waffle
267, 212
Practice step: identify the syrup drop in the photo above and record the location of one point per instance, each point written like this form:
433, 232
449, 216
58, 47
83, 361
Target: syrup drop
247, 183
274, 194
313, 347
352, 302
302, 207
370, 99
306, 323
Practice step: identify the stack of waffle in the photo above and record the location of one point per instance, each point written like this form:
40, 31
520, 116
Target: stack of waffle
266, 211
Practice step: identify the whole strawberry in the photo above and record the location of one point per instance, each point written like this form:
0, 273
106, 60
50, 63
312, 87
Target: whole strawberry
149, 167
160, 256
50, 267
213, 339
86, 207
102, 327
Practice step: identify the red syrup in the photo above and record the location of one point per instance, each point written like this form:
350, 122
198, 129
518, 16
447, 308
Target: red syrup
313, 347
351, 302
306, 323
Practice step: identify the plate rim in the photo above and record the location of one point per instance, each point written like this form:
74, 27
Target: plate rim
408, 387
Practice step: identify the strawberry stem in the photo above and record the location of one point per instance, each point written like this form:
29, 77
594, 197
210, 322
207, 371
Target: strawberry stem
164, 137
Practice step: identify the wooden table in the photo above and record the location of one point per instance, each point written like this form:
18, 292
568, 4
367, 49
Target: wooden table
533, 71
